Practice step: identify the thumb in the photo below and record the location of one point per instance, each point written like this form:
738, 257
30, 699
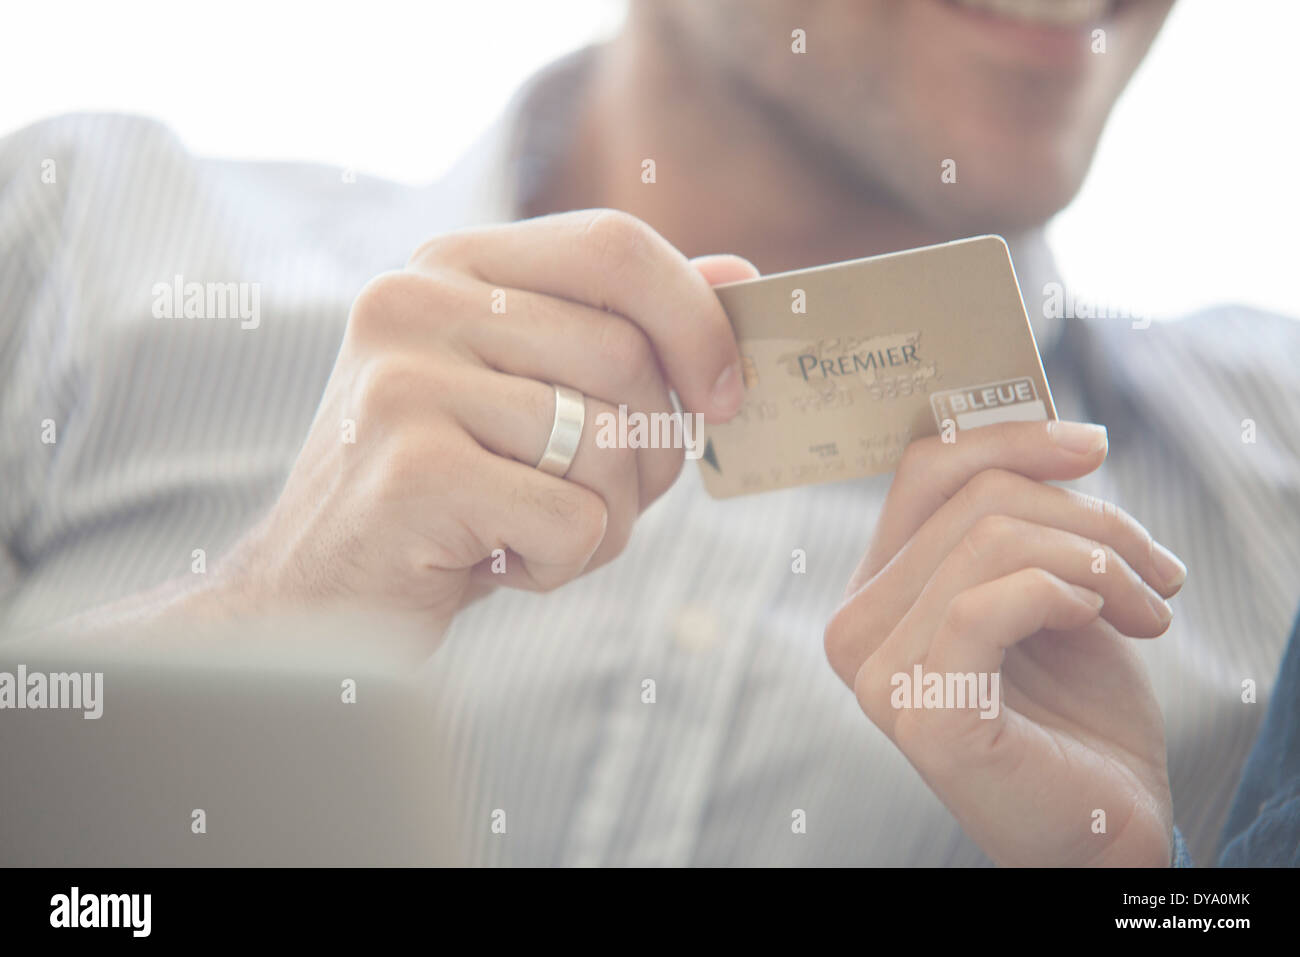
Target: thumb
724, 268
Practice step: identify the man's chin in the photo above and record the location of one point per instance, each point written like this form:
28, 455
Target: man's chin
1007, 206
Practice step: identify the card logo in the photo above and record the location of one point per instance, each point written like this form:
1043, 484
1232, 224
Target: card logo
863, 358
1011, 400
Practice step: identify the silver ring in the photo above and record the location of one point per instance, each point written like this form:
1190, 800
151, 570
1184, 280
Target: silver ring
562, 446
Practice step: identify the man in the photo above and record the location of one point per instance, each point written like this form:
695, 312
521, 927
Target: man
671, 703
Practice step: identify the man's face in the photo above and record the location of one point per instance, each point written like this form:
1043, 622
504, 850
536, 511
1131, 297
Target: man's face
1015, 92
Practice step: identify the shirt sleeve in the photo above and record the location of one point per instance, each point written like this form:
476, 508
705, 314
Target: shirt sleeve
1263, 826
1182, 857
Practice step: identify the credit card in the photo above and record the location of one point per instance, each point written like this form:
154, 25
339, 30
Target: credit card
845, 364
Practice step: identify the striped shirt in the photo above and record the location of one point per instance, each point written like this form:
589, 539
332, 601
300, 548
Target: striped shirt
128, 440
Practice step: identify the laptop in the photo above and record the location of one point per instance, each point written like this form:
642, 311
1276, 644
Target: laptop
303, 742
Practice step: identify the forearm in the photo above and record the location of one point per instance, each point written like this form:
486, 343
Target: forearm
176, 606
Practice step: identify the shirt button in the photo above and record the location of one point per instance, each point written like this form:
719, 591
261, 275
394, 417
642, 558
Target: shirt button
697, 628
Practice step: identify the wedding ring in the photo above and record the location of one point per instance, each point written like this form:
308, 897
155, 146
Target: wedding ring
562, 446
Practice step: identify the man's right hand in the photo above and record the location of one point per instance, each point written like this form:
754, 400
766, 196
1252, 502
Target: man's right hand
452, 405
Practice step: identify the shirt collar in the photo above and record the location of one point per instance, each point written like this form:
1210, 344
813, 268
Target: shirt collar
497, 180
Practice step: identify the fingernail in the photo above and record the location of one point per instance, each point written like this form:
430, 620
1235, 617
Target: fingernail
1088, 596
1170, 569
728, 390
1161, 608
1081, 438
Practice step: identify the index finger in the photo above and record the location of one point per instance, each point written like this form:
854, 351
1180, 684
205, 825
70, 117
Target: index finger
931, 471
612, 260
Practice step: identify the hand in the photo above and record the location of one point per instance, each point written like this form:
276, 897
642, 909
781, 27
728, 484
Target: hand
452, 405
978, 567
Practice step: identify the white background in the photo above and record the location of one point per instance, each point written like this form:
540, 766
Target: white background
1192, 200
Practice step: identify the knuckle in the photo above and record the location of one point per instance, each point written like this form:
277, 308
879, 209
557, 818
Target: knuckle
916, 455
1095, 507
989, 486
627, 351
1121, 525
547, 578
373, 308
401, 471
616, 239
386, 301
385, 385
438, 250
411, 462
1041, 583
1101, 560
1149, 553
987, 534
590, 524
871, 686
840, 641
584, 517
1113, 558
1117, 522
963, 613
1113, 521
617, 533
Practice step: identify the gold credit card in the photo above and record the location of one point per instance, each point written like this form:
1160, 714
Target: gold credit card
844, 365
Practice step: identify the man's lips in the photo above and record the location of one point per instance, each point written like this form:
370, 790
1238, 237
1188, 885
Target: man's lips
1051, 35
1049, 13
